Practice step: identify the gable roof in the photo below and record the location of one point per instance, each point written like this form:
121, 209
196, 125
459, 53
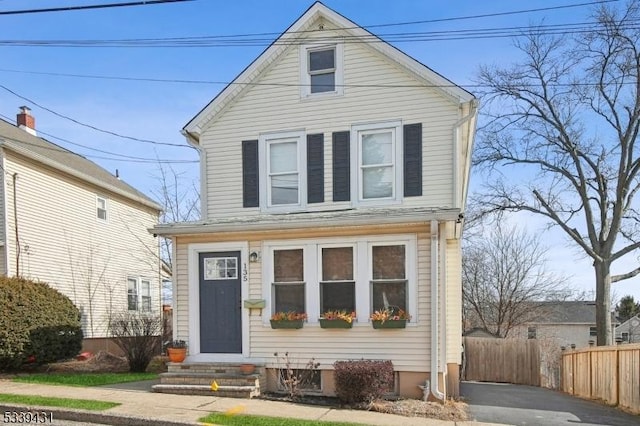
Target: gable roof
52, 155
286, 41
574, 312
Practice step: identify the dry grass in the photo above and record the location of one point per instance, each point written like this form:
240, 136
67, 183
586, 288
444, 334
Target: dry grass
102, 362
450, 410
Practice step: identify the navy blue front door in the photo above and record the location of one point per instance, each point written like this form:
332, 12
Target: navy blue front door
220, 307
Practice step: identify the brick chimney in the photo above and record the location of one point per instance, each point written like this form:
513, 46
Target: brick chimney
26, 121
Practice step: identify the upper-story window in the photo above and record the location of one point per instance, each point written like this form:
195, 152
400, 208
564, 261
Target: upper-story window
378, 174
321, 70
101, 208
285, 175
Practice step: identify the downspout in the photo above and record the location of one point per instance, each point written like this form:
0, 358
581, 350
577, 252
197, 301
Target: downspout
434, 311
15, 223
473, 107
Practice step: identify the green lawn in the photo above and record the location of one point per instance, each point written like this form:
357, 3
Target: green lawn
246, 420
45, 401
84, 379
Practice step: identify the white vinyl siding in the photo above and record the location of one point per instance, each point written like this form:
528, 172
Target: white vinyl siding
255, 113
84, 258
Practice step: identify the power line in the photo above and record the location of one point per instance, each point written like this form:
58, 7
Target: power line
88, 7
109, 132
58, 148
251, 40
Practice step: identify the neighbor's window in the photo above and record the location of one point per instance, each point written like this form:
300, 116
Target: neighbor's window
337, 284
389, 283
625, 337
132, 294
288, 280
531, 333
322, 70
101, 207
145, 296
593, 331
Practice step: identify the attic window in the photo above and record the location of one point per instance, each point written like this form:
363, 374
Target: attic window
321, 70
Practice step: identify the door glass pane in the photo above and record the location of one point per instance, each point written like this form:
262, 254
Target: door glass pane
337, 264
388, 262
321, 60
377, 148
283, 157
288, 266
284, 189
220, 268
377, 182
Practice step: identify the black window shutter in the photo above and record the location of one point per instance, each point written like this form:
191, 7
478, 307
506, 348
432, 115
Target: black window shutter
315, 168
250, 188
341, 166
412, 160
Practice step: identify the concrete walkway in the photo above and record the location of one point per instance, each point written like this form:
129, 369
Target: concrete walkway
141, 407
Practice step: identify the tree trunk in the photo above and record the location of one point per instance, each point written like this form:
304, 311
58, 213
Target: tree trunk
603, 302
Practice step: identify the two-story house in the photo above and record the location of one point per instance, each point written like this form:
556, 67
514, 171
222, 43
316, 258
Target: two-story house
334, 175
68, 222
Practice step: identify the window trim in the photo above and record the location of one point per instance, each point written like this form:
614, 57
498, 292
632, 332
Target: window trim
106, 208
305, 76
362, 266
356, 162
264, 142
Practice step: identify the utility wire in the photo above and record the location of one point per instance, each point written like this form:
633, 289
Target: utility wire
109, 132
226, 83
259, 39
58, 148
88, 7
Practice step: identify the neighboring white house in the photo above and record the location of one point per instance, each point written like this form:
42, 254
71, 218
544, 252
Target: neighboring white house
66, 221
566, 323
334, 176
629, 331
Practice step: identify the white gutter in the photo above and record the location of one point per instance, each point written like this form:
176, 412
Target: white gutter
434, 311
473, 107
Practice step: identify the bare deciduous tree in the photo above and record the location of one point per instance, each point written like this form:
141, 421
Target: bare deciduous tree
566, 120
504, 280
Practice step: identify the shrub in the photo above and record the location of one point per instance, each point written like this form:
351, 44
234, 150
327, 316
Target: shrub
139, 336
37, 324
362, 380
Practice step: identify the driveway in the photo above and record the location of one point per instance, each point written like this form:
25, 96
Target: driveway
528, 405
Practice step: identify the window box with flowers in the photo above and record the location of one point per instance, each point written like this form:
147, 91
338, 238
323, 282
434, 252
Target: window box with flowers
288, 320
337, 319
389, 318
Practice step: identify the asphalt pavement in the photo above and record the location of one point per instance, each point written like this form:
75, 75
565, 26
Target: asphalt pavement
532, 406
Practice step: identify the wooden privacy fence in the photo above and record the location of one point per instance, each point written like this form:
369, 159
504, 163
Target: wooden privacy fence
502, 360
607, 373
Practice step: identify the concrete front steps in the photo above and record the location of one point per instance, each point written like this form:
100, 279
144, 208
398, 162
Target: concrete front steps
197, 378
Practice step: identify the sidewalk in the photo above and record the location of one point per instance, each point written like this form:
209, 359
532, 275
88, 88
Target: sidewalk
141, 407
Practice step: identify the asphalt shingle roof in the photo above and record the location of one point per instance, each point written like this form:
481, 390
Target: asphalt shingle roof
41, 150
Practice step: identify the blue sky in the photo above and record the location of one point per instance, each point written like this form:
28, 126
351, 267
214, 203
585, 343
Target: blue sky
158, 110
